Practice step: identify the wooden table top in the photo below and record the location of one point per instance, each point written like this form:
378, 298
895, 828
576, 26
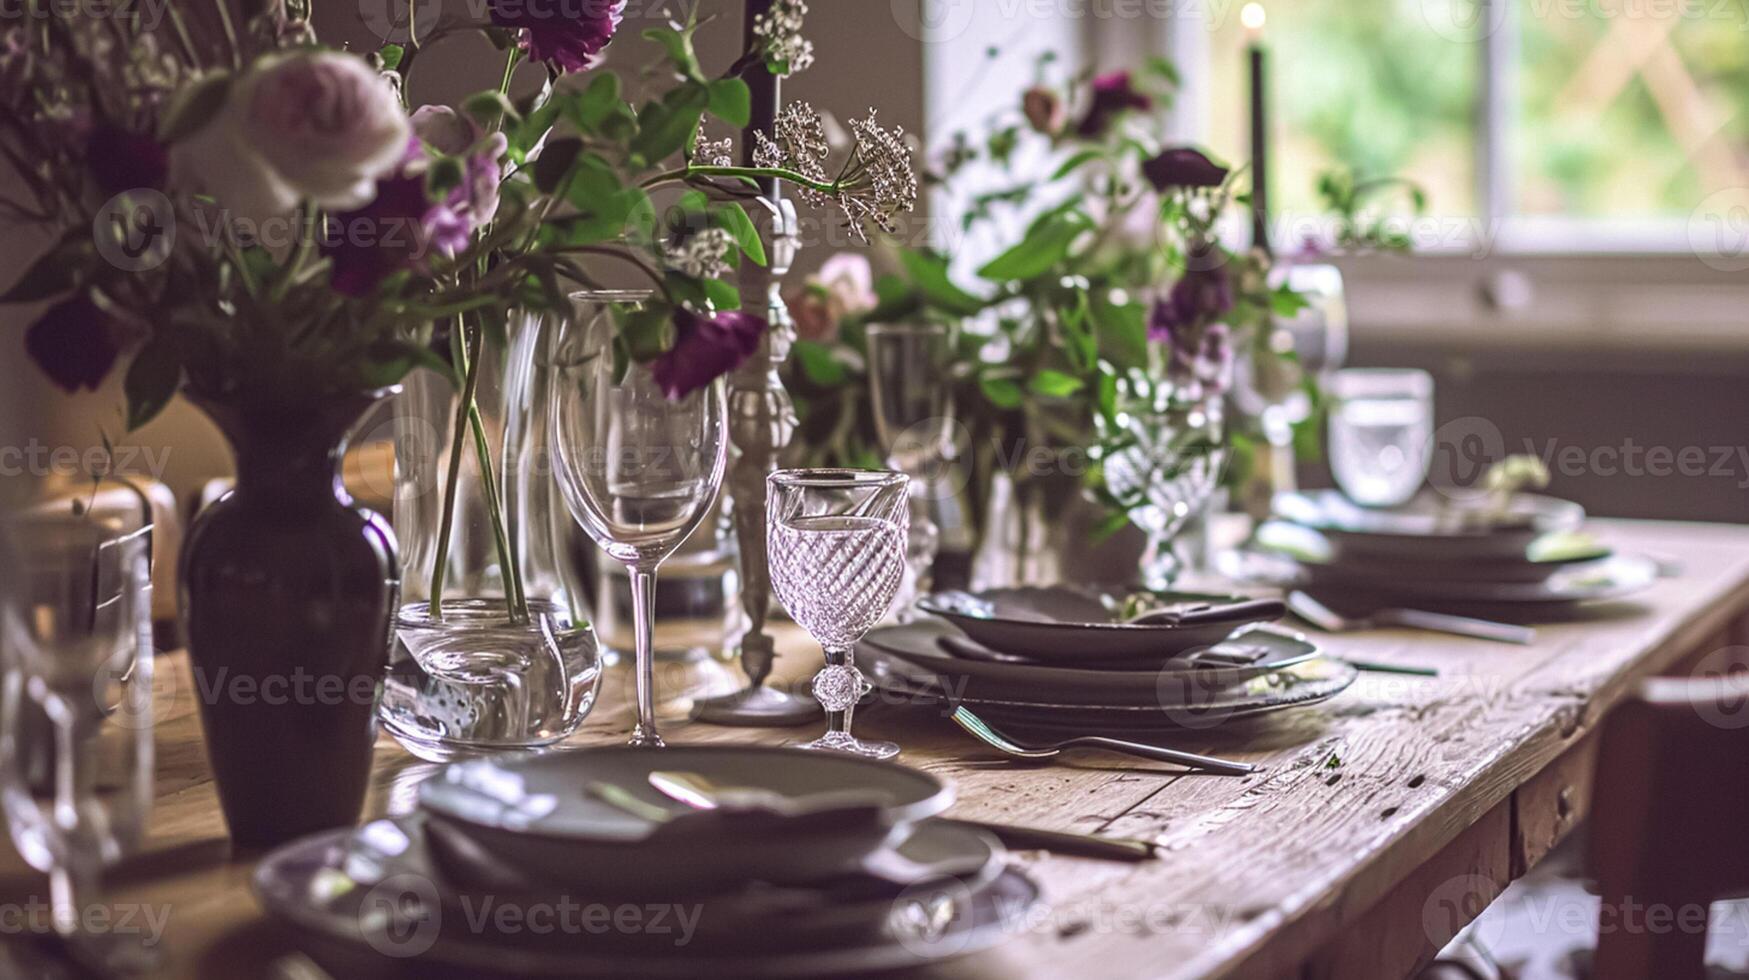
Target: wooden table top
1257, 874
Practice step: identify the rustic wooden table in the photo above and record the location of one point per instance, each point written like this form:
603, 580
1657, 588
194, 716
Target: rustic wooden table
1379, 823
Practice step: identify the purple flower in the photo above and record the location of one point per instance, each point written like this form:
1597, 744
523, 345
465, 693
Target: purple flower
73, 342
1183, 166
1113, 95
568, 35
397, 230
122, 160
705, 348
453, 134
1203, 295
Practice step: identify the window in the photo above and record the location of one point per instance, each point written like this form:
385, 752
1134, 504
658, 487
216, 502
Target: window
1556, 125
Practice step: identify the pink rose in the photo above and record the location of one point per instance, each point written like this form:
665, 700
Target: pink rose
326, 123
844, 286
315, 125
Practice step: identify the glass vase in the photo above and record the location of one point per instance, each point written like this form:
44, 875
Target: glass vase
494, 650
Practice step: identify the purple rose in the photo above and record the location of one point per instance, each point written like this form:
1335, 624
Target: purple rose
122, 160
1183, 166
453, 134
1203, 295
568, 34
397, 230
1113, 95
73, 342
705, 349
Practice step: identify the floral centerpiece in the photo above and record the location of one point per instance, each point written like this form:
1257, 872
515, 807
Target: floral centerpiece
275, 229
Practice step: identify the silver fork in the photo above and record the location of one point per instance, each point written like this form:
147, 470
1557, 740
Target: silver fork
978, 727
1328, 620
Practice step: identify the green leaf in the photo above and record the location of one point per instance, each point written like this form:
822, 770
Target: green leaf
590, 108
1075, 162
648, 331
391, 55
1055, 384
151, 381
194, 106
665, 127
53, 274
819, 364
488, 108
1046, 244
928, 271
731, 101
678, 45
1001, 392
444, 175
1122, 332
555, 163
732, 218
1284, 302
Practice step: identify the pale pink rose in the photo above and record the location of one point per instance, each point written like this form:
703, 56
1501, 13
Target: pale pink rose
325, 122
216, 160
453, 134
844, 286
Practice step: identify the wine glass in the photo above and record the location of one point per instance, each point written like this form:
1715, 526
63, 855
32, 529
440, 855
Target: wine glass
637, 469
1381, 433
908, 365
836, 540
76, 711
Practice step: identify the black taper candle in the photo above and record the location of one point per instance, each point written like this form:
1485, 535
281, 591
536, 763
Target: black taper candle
763, 86
1259, 148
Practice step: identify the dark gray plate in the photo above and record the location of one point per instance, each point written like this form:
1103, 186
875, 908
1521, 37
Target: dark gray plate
536, 814
1431, 526
371, 902
1261, 649
1610, 578
1543, 557
1060, 685
1300, 685
1060, 623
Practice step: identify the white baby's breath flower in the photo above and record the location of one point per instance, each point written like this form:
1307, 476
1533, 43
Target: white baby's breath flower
875, 184
780, 33
704, 255
714, 153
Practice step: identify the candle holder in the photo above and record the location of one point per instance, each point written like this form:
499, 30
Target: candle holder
761, 421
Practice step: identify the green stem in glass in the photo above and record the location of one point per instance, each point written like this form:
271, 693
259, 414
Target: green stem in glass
440, 567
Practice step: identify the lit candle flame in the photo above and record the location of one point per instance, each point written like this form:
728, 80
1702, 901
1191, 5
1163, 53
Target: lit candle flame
1251, 18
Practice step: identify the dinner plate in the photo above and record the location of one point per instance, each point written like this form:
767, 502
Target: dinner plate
1249, 651
1542, 557
548, 816
1430, 525
1609, 578
1304, 684
371, 901
1145, 686
1062, 622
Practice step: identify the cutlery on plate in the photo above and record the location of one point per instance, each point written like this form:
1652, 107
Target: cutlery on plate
978, 727
1061, 842
700, 793
1197, 615
1328, 620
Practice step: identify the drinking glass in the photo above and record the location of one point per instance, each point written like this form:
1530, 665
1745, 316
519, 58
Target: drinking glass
1271, 387
836, 540
76, 711
637, 469
1381, 434
908, 367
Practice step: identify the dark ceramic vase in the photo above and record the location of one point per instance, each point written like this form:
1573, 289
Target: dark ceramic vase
289, 591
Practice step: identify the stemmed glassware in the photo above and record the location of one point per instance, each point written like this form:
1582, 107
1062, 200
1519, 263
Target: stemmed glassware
836, 541
637, 469
76, 711
908, 368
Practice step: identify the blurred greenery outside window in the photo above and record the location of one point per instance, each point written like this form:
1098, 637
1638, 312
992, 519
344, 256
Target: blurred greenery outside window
1543, 125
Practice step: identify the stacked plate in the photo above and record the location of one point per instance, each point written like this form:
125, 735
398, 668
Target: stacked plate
1433, 552
1076, 659
737, 861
